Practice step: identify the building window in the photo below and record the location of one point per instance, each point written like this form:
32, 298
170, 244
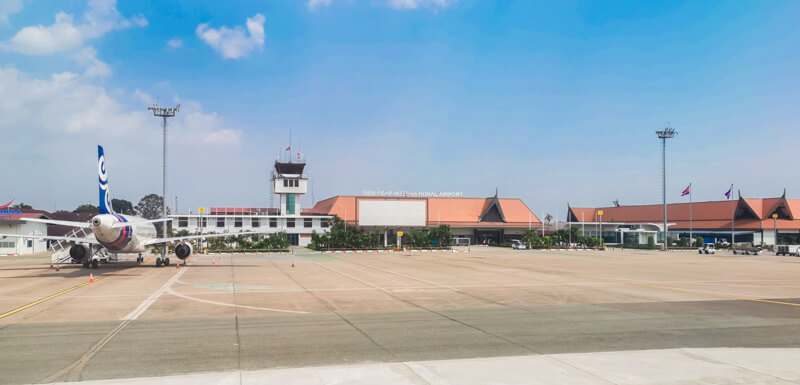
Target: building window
307, 222
237, 222
220, 222
324, 223
30, 244
6, 245
183, 222
273, 222
290, 222
290, 206
285, 183
256, 222
203, 222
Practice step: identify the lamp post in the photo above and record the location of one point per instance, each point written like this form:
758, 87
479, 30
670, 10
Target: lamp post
775, 230
164, 113
666, 133
600, 233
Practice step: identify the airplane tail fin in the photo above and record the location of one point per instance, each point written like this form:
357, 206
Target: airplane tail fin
102, 177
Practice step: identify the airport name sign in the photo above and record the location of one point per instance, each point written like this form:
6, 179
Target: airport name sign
7, 213
412, 194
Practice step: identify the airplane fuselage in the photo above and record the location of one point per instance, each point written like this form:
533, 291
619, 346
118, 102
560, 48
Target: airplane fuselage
121, 234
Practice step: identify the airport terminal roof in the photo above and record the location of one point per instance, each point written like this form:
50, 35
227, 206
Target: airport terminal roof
750, 214
492, 212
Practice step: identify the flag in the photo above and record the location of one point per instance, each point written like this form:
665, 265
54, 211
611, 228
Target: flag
728, 194
289, 148
687, 191
298, 155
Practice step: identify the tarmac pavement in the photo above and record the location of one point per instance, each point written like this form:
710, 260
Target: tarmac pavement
252, 312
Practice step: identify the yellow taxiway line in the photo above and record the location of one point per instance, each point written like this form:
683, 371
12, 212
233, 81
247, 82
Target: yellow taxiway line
34, 303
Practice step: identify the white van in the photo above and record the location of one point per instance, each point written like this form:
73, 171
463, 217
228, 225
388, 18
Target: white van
516, 244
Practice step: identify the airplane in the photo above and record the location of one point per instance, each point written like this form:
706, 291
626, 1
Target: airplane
117, 233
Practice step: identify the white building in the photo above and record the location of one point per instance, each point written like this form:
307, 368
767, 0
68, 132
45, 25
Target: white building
11, 223
289, 182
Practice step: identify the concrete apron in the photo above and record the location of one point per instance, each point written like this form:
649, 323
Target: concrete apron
671, 366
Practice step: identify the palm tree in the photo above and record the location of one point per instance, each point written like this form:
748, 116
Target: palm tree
548, 218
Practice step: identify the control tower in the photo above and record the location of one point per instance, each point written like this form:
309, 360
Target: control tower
289, 182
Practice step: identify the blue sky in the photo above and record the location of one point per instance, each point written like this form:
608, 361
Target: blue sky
552, 102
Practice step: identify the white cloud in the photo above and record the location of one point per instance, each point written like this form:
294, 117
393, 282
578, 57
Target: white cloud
100, 17
144, 97
313, 4
234, 43
95, 68
9, 7
175, 42
414, 4
67, 103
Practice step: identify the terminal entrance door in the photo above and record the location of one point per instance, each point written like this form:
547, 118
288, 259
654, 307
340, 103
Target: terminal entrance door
294, 239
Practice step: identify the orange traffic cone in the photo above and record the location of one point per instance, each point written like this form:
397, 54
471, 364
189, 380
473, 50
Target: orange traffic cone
178, 265
91, 278
51, 265
58, 269
213, 261
292, 263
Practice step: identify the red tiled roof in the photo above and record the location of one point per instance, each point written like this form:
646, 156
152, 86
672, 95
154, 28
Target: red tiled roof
455, 212
715, 215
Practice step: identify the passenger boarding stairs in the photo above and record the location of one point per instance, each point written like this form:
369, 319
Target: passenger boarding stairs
61, 248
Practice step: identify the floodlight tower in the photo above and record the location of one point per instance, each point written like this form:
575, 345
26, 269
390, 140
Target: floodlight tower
667, 133
164, 113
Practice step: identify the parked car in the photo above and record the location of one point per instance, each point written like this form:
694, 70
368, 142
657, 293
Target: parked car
746, 248
707, 248
793, 250
516, 244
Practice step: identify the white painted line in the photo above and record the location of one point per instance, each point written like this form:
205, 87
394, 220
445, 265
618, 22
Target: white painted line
175, 293
153, 297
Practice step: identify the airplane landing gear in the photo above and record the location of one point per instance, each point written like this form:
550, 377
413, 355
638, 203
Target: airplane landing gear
95, 263
158, 261
140, 259
166, 261
85, 264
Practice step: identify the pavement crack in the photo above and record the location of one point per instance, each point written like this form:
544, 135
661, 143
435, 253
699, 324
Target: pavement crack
333, 310
236, 321
393, 295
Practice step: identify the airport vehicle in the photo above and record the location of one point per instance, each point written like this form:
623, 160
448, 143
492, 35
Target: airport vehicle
115, 233
516, 244
746, 248
793, 250
707, 248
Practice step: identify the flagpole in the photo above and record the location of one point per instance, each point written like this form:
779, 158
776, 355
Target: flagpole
690, 214
733, 219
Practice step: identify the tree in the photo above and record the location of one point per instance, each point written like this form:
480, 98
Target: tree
149, 207
651, 243
122, 206
87, 208
22, 205
548, 218
699, 241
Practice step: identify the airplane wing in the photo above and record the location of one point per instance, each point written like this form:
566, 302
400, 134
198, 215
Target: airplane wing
62, 223
155, 241
123, 224
52, 238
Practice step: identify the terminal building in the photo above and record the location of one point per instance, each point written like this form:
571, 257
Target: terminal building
11, 223
490, 220
756, 220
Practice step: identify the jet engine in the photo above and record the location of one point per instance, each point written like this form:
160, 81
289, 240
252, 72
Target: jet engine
79, 252
183, 250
